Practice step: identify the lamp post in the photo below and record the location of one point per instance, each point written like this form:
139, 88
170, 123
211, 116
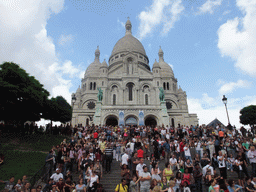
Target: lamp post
225, 101
73, 100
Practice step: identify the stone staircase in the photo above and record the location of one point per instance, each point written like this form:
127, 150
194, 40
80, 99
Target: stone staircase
110, 181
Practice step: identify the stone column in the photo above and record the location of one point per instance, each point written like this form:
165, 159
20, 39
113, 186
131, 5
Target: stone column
97, 115
164, 114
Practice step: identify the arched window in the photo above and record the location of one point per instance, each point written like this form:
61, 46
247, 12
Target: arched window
173, 87
114, 99
164, 86
91, 86
157, 83
102, 83
167, 85
94, 85
146, 99
130, 86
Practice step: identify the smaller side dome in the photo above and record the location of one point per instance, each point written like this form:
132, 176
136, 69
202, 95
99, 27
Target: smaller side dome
166, 69
93, 68
156, 65
104, 64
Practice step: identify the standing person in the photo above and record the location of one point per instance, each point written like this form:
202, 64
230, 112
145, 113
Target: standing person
182, 145
187, 152
222, 165
125, 158
167, 150
49, 165
216, 145
145, 178
252, 157
197, 174
98, 169
211, 147
239, 163
109, 157
156, 149
122, 187
134, 186
139, 167
135, 162
93, 178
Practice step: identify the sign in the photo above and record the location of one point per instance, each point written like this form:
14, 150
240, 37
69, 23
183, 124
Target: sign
141, 117
121, 118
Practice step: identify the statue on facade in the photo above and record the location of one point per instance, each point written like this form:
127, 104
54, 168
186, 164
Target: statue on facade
161, 94
100, 94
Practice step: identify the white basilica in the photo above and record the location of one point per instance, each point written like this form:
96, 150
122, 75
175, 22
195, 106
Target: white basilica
130, 90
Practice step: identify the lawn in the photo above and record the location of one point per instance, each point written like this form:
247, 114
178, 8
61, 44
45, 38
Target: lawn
18, 163
34, 142
24, 155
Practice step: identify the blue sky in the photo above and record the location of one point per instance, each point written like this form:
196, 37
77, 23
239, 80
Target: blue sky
210, 44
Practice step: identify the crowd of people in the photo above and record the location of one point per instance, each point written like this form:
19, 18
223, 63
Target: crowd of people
196, 158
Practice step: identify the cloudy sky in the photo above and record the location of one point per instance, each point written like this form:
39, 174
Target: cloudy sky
210, 44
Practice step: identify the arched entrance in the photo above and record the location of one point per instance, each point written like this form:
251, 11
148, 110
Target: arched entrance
112, 120
150, 121
131, 121
87, 122
173, 125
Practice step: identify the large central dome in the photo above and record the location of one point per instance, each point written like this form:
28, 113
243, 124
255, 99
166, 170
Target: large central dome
128, 43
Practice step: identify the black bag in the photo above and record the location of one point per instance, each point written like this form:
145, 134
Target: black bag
236, 168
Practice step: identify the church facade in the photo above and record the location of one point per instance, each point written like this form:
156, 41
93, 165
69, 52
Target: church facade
130, 90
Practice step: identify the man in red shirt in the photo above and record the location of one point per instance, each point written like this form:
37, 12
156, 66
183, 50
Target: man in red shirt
182, 145
140, 153
95, 135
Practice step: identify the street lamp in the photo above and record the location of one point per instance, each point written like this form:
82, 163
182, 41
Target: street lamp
73, 99
225, 101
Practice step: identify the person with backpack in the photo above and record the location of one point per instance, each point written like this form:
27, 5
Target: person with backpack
122, 187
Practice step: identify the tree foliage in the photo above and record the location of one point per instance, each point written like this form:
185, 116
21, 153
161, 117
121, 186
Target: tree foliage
248, 115
22, 96
58, 109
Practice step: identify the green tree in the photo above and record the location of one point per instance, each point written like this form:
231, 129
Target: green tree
58, 109
22, 96
248, 115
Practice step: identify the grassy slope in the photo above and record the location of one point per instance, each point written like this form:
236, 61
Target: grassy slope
21, 156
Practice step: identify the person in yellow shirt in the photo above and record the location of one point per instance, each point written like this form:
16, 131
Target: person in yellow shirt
122, 187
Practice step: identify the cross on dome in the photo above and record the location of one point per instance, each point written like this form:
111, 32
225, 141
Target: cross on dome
128, 27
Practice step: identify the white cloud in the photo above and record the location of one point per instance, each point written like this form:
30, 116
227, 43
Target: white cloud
237, 38
122, 23
64, 39
209, 6
170, 65
209, 108
165, 12
25, 41
231, 86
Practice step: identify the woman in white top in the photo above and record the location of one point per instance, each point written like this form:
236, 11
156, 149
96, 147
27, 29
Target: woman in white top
93, 178
211, 147
178, 181
187, 152
171, 186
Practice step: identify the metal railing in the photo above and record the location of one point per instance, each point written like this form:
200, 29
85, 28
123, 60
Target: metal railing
42, 175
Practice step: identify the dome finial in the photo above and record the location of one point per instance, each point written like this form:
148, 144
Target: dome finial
97, 54
161, 54
128, 26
